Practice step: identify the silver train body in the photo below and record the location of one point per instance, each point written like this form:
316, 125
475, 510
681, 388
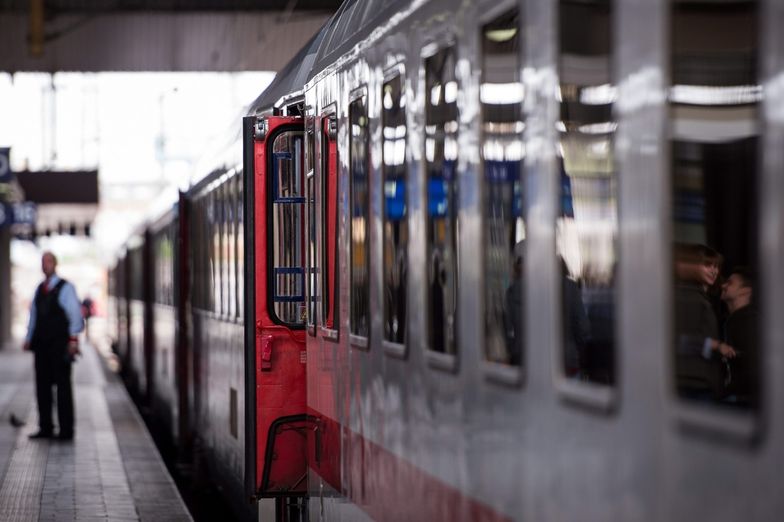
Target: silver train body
482, 439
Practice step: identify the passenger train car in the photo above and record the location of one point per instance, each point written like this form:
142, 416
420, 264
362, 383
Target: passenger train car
495, 260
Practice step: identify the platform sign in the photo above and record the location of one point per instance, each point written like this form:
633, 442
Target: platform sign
17, 214
5, 165
6, 214
24, 213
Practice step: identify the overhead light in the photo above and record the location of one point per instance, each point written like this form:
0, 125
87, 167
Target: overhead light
501, 35
714, 95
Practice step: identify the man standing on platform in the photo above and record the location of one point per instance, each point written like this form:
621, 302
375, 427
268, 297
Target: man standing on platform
55, 322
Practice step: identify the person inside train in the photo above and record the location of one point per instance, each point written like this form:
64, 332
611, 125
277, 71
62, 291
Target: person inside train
740, 334
513, 308
700, 372
576, 329
598, 363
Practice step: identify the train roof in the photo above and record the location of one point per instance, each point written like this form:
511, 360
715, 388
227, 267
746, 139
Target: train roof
353, 22
290, 80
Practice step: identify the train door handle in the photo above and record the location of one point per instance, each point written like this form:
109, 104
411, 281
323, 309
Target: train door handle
266, 342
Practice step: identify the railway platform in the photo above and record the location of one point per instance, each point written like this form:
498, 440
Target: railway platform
111, 470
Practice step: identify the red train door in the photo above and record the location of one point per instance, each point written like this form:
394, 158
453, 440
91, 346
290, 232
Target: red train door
275, 336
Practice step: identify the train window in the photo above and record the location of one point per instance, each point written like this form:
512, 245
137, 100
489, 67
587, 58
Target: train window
194, 225
205, 240
240, 246
230, 248
162, 264
441, 126
200, 239
232, 203
311, 279
137, 283
287, 227
501, 96
216, 246
225, 238
714, 105
587, 222
214, 294
329, 221
395, 221
360, 212
170, 267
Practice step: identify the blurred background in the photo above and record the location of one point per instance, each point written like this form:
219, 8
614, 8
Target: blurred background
107, 107
141, 133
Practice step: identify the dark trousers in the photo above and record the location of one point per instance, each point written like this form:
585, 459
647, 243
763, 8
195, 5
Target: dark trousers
54, 370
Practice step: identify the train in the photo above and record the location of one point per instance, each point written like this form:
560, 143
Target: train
483, 260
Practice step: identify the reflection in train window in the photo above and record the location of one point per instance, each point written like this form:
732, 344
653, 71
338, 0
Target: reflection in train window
441, 125
311, 267
228, 249
587, 222
213, 217
287, 190
501, 95
196, 224
393, 121
232, 211
329, 221
164, 264
220, 244
240, 247
714, 110
360, 207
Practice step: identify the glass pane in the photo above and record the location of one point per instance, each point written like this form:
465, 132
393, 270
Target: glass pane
240, 247
232, 246
329, 225
312, 267
441, 163
395, 210
587, 226
228, 249
501, 94
287, 227
714, 110
360, 253
214, 292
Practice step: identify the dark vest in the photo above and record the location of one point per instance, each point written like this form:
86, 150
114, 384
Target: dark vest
51, 323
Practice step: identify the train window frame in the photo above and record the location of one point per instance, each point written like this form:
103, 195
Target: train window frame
445, 362
311, 225
497, 372
356, 341
221, 261
239, 260
225, 239
718, 423
213, 267
236, 173
327, 113
239, 255
270, 210
595, 397
391, 348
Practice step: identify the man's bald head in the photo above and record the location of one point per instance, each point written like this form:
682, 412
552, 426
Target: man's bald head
48, 263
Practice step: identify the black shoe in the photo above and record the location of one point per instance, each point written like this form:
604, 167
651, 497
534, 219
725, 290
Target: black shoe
65, 436
41, 435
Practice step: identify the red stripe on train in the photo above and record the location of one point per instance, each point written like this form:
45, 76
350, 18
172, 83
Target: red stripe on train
388, 487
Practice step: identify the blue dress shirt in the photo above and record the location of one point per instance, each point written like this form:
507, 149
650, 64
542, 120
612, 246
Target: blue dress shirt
68, 302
